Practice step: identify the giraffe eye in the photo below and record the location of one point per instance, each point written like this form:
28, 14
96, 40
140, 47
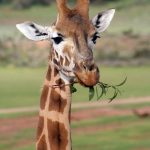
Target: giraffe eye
95, 37
57, 40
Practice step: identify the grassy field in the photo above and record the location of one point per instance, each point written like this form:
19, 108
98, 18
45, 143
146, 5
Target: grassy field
22, 86
123, 132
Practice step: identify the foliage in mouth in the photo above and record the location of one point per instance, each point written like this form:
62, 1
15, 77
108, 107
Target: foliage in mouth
101, 89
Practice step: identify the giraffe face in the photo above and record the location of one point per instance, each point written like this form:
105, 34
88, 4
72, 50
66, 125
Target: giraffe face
73, 39
73, 42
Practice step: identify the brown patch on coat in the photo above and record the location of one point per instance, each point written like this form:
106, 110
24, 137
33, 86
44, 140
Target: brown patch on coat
55, 72
62, 82
44, 96
68, 51
63, 87
57, 103
40, 127
69, 114
61, 60
55, 62
48, 75
58, 135
66, 61
56, 54
58, 82
42, 144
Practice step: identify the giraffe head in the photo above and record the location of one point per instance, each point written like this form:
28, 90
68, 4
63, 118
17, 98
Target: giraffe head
73, 37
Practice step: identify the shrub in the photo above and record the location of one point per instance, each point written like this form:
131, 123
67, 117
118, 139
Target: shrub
22, 4
142, 53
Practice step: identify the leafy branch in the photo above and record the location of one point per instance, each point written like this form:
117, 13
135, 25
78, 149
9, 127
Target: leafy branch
101, 89
104, 89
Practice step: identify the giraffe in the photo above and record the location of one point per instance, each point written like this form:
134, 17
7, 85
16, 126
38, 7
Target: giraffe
72, 39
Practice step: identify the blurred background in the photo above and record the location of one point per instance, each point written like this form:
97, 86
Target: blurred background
123, 50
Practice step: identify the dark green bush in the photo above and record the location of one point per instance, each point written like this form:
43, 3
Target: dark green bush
142, 53
22, 4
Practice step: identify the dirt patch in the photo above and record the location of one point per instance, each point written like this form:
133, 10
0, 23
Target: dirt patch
10, 126
98, 112
84, 105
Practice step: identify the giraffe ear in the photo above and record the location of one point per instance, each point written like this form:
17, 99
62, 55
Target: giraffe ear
102, 20
34, 31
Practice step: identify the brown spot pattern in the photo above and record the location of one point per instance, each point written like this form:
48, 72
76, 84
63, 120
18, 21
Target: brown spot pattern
55, 72
63, 88
58, 135
40, 127
69, 114
58, 82
61, 60
57, 103
55, 62
56, 54
48, 75
42, 144
68, 51
66, 61
62, 82
44, 96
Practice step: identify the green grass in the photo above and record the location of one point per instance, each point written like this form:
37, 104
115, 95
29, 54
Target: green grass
21, 86
103, 121
127, 138
20, 136
130, 133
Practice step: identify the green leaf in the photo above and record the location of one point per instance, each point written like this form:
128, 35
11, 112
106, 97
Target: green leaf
103, 90
122, 83
91, 93
115, 94
97, 93
73, 89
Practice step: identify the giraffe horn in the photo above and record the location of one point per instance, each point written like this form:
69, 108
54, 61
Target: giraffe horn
62, 7
83, 7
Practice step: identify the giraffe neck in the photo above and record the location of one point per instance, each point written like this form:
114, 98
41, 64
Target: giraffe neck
53, 131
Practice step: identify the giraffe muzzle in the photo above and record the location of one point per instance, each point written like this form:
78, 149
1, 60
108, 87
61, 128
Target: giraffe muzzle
87, 74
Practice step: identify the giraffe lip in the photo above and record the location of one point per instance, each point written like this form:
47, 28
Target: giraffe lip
89, 81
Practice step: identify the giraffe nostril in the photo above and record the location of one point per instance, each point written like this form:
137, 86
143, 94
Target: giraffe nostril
91, 67
85, 68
